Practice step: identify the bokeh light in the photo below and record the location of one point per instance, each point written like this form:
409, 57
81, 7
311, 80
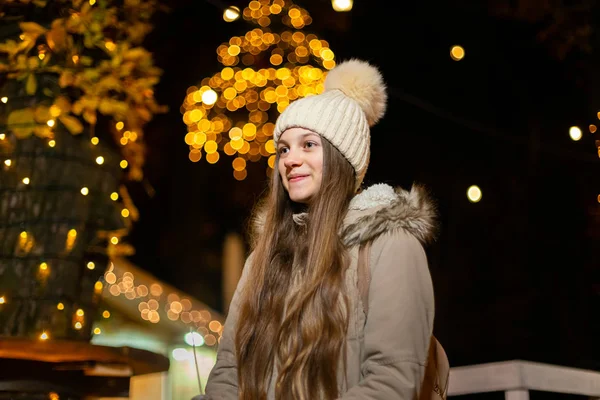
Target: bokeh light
575, 133
474, 194
457, 53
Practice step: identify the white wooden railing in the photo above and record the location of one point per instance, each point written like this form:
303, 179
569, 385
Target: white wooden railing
516, 378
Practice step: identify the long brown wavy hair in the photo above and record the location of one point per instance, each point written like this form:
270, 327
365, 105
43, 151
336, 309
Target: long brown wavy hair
294, 307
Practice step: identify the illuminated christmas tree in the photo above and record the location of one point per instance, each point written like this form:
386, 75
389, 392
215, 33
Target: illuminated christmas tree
233, 112
76, 90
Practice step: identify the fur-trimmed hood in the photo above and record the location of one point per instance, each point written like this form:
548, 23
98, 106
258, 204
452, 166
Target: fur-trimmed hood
379, 209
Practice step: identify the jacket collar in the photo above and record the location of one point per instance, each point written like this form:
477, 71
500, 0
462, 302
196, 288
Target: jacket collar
380, 209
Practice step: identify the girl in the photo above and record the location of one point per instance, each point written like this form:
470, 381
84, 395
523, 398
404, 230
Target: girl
297, 328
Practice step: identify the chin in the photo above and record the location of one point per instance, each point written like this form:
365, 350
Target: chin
300, 198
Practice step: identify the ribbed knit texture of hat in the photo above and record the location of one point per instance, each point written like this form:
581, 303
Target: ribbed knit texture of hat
337, 118
354, 99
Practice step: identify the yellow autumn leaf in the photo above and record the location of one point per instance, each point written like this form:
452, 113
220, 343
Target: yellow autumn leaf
108, 83
71, 123
121, 108
43, 131
57, 36
63, 104
106, 106
75, 24
90, 116
22, 61
91, 74
110, 106
31, 86
10, 47
116, 61
54, 111
125, 69
95, 27
27, 43
42, 114
21, 122
66, 79
144, 113
32, 28
33, 62
135, 54
154, 71
138, 31
90, 102
151, 81
77, 107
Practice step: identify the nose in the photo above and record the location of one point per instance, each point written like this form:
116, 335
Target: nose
292, 159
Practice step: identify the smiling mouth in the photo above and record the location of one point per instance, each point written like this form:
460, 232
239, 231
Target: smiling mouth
297, 178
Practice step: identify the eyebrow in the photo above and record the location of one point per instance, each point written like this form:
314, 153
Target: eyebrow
304, 135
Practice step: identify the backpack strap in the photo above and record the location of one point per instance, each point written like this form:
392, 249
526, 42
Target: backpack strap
437, 373
364, 274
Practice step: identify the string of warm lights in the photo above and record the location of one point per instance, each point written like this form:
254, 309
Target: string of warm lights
78, 318
233, 111
156, 301
98, 159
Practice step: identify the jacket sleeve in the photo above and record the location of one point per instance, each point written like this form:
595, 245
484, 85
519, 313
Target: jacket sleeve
399, 322
222, 382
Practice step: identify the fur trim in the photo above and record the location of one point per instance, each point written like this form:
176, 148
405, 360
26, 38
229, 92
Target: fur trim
362, 82
380, 209
373, 196
412, 211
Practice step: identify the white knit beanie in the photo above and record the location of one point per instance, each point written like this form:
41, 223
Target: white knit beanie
354, 100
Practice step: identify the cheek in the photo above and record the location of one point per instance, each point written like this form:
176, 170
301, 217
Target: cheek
318, 167
281, 171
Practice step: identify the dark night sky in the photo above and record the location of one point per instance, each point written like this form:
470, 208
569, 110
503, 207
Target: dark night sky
516, 275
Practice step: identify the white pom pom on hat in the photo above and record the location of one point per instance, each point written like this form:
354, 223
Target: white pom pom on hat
362, 82
354, 99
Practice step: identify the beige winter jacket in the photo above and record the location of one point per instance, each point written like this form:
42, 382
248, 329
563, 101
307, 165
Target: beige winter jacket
386, 352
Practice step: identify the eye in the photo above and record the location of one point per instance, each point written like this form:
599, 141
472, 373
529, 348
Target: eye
310, 144
283, 150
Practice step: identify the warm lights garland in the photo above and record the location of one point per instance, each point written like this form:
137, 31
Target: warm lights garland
153, 303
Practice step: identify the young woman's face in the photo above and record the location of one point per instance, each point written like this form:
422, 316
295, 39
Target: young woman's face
300, 163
